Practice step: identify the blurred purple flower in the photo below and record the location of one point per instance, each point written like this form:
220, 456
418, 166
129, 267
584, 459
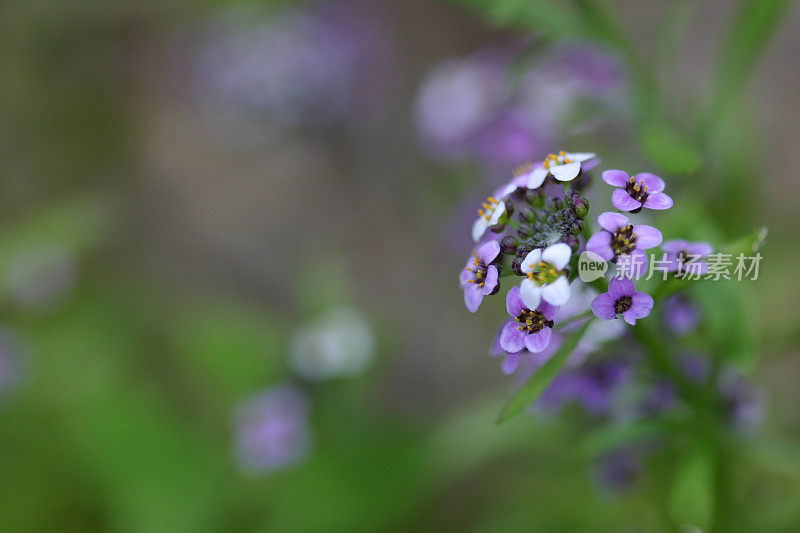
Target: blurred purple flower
687, 257
680, 315
618, 470
299, 67
593, 386
41, 277
635, 192
272, 429
623, 299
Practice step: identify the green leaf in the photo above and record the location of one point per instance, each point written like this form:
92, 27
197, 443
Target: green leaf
670, 149
691, 499
538, 383
545, 17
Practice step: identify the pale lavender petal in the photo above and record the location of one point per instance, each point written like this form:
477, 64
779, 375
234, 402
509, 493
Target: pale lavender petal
630, 317
496, 350
701, 249
512, 339
611, 221
637, 263
465, 275
658, 201
600, 243
620, 288
490, 282
514, 303
489, 252
547, 309
618, 178
473, 296
623, 201
674, 246
646, 237
536, 177
510, 364
537, 342
641, 304
603, 306
651, 181
590, 164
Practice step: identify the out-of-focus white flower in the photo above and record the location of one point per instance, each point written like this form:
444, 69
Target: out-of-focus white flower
338, 343
40, 277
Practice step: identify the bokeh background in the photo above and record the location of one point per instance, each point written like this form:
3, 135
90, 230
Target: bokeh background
223, 218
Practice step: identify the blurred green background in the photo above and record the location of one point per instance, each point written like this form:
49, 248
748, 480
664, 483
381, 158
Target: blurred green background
160, 255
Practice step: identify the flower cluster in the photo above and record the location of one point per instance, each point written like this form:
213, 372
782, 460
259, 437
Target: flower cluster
531, 230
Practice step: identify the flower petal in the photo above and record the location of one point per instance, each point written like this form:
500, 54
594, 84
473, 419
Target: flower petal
479, 228
603, 306
547, 309
533, 258
580, 157
611, 221
566, 172
659, 201
489, 252
505, 190
556, 293
490, 282
629, 317
512, 339
651, 181
641, 304
674, 246
620, 288
618, 178
536, 177
699, 248
514, 303
623, 201
536, 342
498, 212
600, 243
646, 237
473, 296
496, 350
510, 364
531, 293
557, 255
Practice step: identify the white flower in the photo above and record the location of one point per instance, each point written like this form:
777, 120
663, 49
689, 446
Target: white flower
564, 166
491, 211
545, 280
339, 343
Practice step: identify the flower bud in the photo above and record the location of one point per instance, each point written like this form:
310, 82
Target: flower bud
509, 245
574, 242
580, 206
535, 197
524, 249
575, 227
516, 266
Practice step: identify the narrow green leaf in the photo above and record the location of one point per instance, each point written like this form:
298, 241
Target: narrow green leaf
538, 383
691, 499
545, 17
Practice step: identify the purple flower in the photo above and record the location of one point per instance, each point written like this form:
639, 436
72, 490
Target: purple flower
686, 257
636, 192
492, 210
506, 139
618, 470
622, 298
620, 238
594, 386
545, 276
457, 98
272, 429
530, 329
680, 315
480, 276
564, 166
